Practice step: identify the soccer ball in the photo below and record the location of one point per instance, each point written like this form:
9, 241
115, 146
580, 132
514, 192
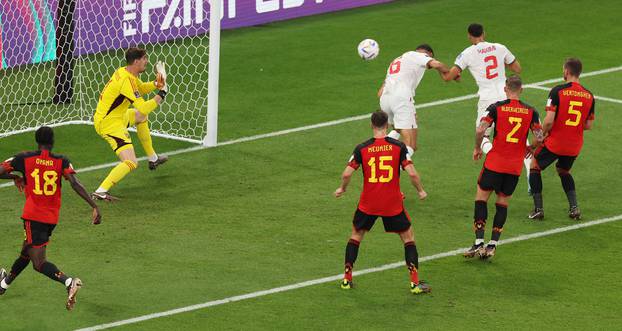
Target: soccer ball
368, 49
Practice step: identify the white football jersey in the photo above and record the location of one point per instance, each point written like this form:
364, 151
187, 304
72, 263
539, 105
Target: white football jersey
405, 73
486, 62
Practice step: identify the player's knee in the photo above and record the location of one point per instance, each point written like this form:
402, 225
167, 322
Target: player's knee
38, 264
133, 165
562, 172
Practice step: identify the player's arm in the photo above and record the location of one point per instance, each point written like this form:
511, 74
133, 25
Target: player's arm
453, 74
6, 169
146, 87
548, 122
346, 176
143, 106
590, 117
515, 67
538, 134
440, 67
415, 179
81, 191
381, 89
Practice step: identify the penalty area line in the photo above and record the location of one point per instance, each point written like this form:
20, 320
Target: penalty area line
338, 277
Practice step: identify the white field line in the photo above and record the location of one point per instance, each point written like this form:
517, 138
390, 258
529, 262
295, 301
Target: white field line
324, 124
597, 97
338, 277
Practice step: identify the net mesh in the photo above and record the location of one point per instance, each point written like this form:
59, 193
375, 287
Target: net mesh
58, 55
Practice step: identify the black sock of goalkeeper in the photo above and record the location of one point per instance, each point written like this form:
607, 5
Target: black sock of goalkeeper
50, 270
479, 220
497, 227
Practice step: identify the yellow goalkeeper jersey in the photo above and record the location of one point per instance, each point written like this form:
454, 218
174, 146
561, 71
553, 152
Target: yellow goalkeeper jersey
122, 90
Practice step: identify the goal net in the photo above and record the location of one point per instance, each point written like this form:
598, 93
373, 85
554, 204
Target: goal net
57, 55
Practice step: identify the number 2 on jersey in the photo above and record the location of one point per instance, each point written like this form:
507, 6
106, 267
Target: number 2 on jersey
492, 66
381, 166
49, 187
517, 121
572, 111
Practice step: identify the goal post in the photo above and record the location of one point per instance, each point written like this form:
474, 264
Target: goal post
57, 56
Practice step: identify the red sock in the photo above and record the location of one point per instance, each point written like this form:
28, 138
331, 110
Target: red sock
414, 275
348, 273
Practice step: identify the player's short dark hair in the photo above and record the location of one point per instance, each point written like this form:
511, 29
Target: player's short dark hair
134, 54
476, 30
574, 66
45, 136
379, 119
426, 47
514, 83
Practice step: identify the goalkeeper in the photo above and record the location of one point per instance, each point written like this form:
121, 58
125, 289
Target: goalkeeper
114, 115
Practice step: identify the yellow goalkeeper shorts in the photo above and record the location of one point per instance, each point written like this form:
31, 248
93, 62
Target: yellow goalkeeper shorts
114, 130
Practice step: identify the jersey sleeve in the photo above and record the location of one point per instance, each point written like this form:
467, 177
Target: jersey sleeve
356, 159
420, 59
508, 58
67, 168
16, 163
147, 87
462, 60
132, 93
491, 117
553, 102
590, 115
405, 159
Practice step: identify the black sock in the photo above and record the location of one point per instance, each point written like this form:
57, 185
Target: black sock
535, 181
500, 216
352, 251
479, 218
50, 270
18, 266
568, 185
411, 256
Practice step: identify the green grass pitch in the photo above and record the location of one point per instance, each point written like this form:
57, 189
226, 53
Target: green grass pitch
246, 217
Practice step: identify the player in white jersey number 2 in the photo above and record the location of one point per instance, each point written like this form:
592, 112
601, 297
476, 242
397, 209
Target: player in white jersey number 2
487, 63
397, 93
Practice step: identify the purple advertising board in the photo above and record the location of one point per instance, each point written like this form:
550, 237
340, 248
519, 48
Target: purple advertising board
111, 24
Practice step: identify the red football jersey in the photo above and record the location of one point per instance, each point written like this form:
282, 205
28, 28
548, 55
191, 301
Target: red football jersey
512, 119
573, 106
381, 160
42, 172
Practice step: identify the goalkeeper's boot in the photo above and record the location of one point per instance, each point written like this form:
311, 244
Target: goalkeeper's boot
155, 164
488, 252
346, 284
474, 250
105, 196
3, 275
536, 214
419, 288
575, 213
72, 292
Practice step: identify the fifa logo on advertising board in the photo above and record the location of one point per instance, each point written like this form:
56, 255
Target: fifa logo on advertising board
138, 15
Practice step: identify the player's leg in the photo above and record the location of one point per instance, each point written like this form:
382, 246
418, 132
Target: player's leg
19, 265
405, 119
504, 193
527, 163
482, 105
361, 224
119, 140
485, 186
540, 161
564, 164
141, 121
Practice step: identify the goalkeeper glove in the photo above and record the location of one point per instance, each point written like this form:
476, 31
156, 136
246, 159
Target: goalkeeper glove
161, 76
